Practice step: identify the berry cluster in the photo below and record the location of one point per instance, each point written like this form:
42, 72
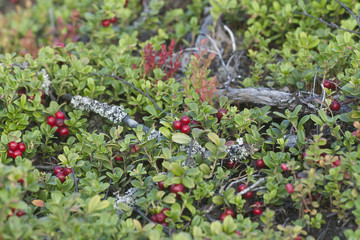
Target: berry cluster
18, 213
333, 85
134, 148
61, 173
289, 188
160, 217
227, 211
107, 22
22, 91
58, 121
182, 125
15, 149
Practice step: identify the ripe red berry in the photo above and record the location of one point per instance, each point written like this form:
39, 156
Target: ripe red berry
59, 123
16, 153
60, 115
260, 163
57, 128
31, 97
185, 120
185, 129
257, 211
229, 211
257, 204
10, 153
249, 194
335, 106
22, 147
133, 150
284, 167
161, 185
221, 112
298, 237
242, 187
230, 163
290, 188
13, 146
153, 218
222, 216
335, 84
177, 125
196, 124
160, 217
51, 120
61, 176
21, 92
64, 131
177, 188
58, 169
105, 22
327, 84
113, 20
67, 171
165, 210
118, 158
336, 163
20, 213
21, 181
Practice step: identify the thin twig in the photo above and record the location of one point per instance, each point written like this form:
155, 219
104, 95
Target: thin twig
231, 36
248, 189
75, 179
315, 77
107, 190
351, 12
189, 152
131, 85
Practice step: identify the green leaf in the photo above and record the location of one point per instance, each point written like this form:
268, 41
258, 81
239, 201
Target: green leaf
204, 168
218, 200
166, 152
151, 109
169, 199
228, 225
176, 169
63, 159
165, 132
158, 178
188, 182
181, 138
96, 204
214, 138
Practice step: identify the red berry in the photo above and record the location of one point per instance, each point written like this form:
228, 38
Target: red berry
242, 187
165, 210
222, 216
185, 129
257, 211
229, 211
185, 120
177, 188
10, 153
257, 204
31, 97
327, 84
21, 181
64, 131
336, 163
284, 167
60, 115
133, 150
57, 128
298, 237
105, 22
335, 84
21, 92
237, 232
160, 217
61, 176
51, 120
335, 106
177, 125
67, 171
13, 146
16, 153
58, 169
161, 185
153, 218
165, 224
113, 20
230, 163
60, 45
20, 213
196, 124
290, 188
118, 158
221, 113
22, 147
260, 163
249, 194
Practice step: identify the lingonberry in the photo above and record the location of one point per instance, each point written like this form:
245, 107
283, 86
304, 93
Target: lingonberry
58, 169
335, 106
63, 132
160, 217
242, 187
237, 232
16, 153
22, 147
113, 20
260, 163
60, 115
133, 150
60, 123
20, 213
229, 211
335, 84
221, 112
230, 163
249, 194
153, 218
222, 216
118, 158
284, 167
185, 129
10, 153
57, 128
177, 188
290, 188
177, 125
165, 210
105, 22
51, 120
161, 185
61, 176
13, 146
257, 211
185, 120
257, 204
196, 124
21, 181
327, 84
336, 163
67, 171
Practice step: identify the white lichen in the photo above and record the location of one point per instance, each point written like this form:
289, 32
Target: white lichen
239, 151
114, 113
154, 134
46, 84
129, 199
